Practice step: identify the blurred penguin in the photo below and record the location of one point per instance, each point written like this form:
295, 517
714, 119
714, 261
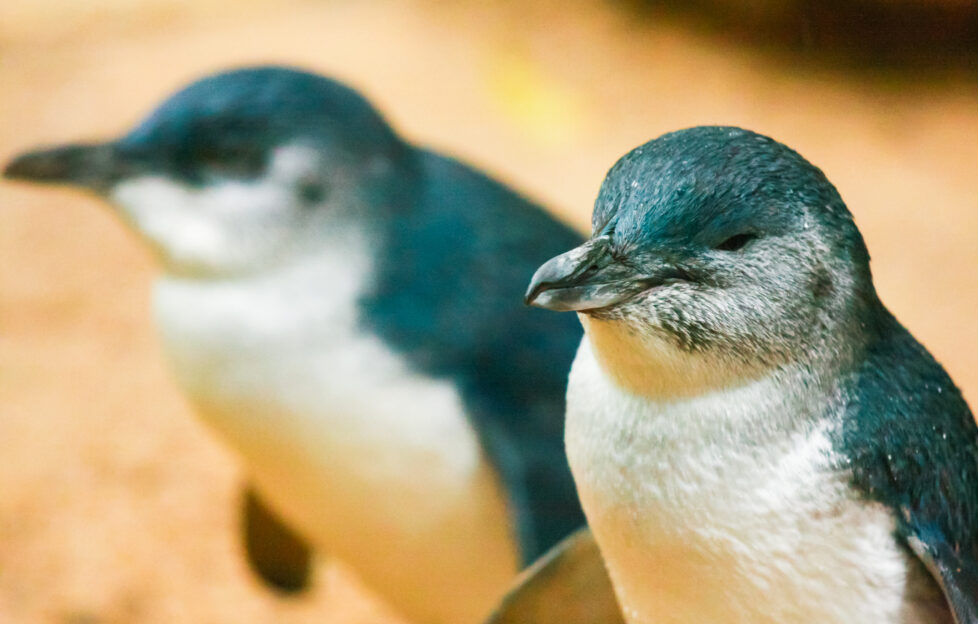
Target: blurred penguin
344, 309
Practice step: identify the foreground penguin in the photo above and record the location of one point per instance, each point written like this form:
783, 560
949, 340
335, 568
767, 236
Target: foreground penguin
753, 435
344, 309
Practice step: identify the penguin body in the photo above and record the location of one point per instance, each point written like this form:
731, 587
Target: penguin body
741, 507
343, 309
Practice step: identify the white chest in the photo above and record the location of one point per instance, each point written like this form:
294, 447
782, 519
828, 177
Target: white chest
281, 360
727, 508
372, 461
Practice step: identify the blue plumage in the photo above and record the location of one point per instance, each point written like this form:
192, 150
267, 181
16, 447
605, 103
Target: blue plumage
912, 444
448, 296
231, 121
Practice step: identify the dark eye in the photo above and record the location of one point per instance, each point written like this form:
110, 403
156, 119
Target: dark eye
312, 191
736, 242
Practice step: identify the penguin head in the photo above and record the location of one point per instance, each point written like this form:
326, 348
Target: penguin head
238, 171
715, 240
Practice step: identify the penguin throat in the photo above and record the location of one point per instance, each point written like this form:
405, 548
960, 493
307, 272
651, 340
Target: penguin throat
645, 365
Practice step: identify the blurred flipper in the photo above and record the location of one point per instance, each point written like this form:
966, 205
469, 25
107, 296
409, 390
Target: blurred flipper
275, 552
568, 585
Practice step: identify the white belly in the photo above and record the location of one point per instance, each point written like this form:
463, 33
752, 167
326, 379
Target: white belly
726, 508
370, 461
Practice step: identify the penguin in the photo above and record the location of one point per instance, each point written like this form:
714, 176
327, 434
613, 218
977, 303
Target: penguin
754, 437
343, 309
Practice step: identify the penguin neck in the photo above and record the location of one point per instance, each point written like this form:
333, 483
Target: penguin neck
209, 326
684, 409
648, 366
326, 252
624, 382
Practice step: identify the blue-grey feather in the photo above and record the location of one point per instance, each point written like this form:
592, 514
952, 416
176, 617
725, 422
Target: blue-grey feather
912, 444
233, 119
448, 295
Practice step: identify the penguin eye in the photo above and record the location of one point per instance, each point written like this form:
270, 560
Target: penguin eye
736, 242
311, 191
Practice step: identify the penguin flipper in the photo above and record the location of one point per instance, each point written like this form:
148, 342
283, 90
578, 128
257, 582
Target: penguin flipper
956, 574
275, 552
568, 585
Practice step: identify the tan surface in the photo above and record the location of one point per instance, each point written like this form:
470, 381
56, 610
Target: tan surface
115, 504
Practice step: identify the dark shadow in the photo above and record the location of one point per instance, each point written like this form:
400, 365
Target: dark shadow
924, 39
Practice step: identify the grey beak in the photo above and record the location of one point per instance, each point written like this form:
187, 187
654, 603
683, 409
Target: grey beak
94, 166
589, 278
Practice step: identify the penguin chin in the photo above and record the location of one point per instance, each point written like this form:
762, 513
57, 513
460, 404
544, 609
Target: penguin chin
638, 309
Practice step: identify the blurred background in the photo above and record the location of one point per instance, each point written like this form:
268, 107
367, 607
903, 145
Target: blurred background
116, 505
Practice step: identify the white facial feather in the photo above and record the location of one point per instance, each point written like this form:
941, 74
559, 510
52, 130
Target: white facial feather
728, 506
225, 226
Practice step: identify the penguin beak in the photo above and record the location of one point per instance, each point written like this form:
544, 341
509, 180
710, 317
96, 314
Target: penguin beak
590, 278
93, 166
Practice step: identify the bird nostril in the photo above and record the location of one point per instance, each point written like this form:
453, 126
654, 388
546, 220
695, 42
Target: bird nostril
589, 271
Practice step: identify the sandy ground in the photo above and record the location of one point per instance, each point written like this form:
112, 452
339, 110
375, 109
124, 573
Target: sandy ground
116, 505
